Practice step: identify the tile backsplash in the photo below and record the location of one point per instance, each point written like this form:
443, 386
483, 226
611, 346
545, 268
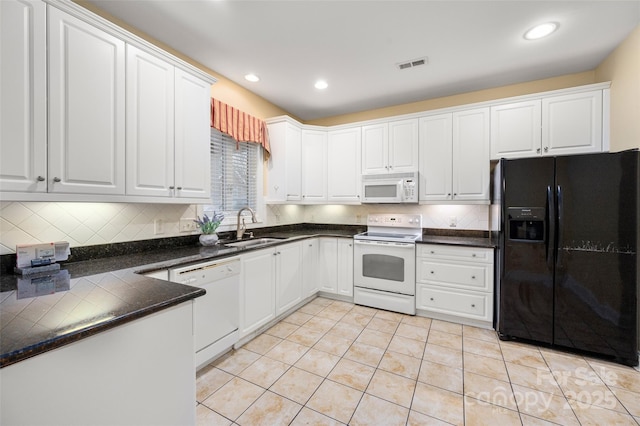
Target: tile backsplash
85, 224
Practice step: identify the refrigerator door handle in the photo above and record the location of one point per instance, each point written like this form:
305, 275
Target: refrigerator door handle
550, 218
559, 224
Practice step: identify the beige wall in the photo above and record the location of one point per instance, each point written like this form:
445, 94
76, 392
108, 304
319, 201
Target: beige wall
622, 68
554, 83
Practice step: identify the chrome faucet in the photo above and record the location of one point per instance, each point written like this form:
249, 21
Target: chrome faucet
242, 228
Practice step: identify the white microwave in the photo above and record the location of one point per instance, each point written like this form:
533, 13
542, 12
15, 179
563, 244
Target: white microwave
390, 188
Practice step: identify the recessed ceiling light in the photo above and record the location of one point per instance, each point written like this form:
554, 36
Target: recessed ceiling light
252, 78
321, 84
540, 31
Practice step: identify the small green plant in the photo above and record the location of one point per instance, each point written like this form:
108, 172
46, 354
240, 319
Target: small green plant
209, 225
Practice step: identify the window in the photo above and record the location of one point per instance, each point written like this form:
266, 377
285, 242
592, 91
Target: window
234, 175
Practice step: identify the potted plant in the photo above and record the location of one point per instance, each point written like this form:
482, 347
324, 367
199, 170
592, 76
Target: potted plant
208, 227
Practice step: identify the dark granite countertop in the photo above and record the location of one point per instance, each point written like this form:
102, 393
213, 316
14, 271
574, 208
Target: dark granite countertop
103, 288
50, 310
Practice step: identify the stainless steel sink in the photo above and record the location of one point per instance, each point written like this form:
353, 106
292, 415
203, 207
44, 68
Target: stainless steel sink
254, 242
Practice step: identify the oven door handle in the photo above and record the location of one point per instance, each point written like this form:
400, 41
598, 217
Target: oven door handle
384, 244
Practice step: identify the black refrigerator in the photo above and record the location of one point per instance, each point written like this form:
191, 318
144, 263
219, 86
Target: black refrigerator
568, 267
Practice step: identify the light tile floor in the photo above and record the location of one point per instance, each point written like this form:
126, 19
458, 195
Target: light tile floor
333, 363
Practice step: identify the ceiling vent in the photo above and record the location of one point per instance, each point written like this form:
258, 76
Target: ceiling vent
413, 63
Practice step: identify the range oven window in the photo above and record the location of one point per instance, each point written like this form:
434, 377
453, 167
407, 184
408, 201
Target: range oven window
383, 266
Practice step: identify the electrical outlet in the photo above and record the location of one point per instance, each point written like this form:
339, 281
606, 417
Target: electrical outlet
358, 218
188, 225
158, 226
453, 221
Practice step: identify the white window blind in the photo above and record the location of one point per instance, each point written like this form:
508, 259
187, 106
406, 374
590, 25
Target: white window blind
233, 175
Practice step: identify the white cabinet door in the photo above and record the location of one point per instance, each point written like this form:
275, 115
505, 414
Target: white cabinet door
284, 165
288, 276
345, 267
192, 136
375, 149
435, 157
310, 259
403, 146
23, 107
516, 130
314, 166
343, 166
471, 155
257, 290
572, 124
150, 124
328, 265
86, 115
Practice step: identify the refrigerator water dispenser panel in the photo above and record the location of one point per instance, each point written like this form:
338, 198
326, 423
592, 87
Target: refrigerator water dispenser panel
526, 223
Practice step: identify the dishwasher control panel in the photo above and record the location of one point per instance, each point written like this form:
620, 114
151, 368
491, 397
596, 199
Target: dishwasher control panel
203, 273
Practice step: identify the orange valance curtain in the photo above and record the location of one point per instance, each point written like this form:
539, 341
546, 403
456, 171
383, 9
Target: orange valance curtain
239, 125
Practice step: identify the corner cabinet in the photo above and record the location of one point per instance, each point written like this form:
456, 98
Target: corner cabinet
86, 115
390, 147
455, 283
564, 124
314, 164
23, 104
284, 165
454, 157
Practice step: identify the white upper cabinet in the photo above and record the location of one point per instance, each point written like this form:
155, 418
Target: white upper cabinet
516, 130
572, 124
23, 107
435, 157
343, 166
314, 166
454, 157
150, 124
86, 107
192, 136
284, 165
564, 124
403, 146
471, 168
390, 147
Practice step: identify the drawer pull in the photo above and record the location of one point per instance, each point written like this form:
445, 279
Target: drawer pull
473, 305
473, 277
431, 298
432, 272
473, 255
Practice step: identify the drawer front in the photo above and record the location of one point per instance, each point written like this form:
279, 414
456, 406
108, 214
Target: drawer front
469, 254
459, 275
459, 303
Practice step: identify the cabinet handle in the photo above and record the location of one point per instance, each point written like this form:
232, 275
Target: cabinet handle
473, 255
172, 187
179, 188
278, 253
275, 254
546, 149
432, 252
432, 272
538, 150
57, 179
449, 194
473, 277
431, 298
40, 179
473, 305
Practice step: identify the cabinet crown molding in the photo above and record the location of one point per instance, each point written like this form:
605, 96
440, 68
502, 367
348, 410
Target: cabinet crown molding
128, 37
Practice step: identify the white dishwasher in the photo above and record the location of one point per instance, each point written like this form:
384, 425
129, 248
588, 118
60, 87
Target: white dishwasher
216, 315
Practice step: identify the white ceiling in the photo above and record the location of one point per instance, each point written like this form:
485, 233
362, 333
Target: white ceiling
355, 45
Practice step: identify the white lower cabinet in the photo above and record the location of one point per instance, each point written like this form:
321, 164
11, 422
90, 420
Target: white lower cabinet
310, 267
335, 264
270, 284
455, 283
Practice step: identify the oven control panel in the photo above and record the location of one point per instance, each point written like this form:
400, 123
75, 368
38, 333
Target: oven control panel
395, 220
